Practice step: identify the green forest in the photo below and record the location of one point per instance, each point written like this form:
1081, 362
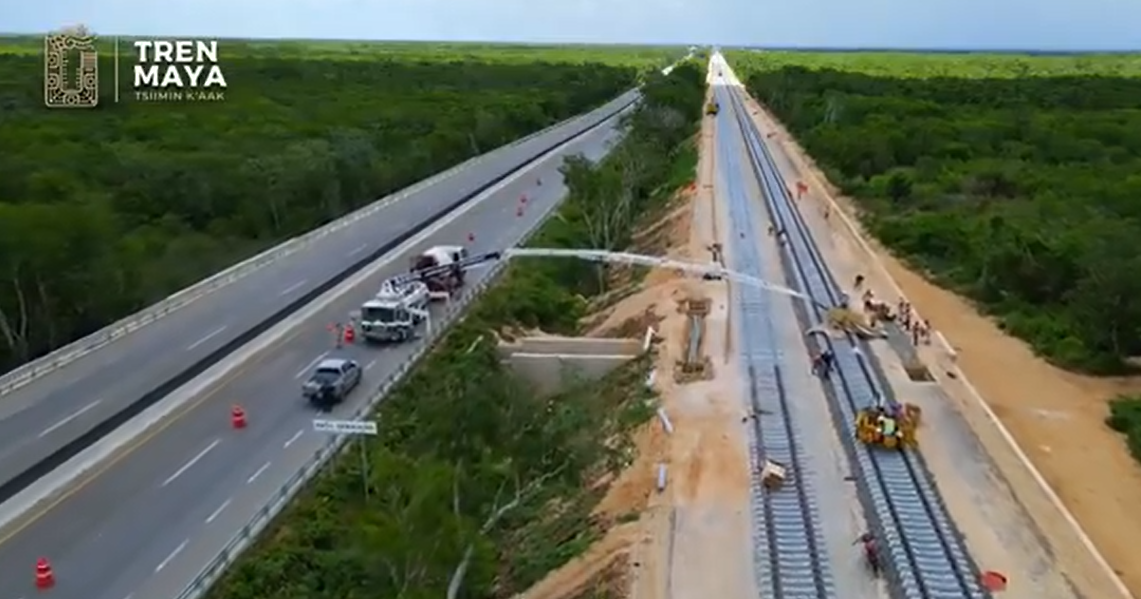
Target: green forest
1012, 179
470, 467
106, 210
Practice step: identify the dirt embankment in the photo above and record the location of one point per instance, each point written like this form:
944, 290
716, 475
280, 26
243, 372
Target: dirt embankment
701, 517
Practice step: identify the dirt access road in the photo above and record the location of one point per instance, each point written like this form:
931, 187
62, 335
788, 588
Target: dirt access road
1008, 519
691, 540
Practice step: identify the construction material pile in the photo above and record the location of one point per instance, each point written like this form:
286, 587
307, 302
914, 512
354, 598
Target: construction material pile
695, 365
849, 321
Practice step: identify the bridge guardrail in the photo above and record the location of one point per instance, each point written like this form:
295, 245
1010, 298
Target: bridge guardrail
48, 363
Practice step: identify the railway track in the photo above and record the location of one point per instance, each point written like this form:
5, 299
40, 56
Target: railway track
790, 559
924, 554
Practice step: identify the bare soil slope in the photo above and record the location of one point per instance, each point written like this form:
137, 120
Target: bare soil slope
692, 540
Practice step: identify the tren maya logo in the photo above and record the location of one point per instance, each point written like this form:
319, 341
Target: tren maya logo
160, 70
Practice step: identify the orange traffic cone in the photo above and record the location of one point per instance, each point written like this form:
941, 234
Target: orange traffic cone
45, 579
470, 237
994, 582
238, 417
350, 334
519, 211
523, 199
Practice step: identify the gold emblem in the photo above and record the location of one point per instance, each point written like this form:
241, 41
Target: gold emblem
71, 69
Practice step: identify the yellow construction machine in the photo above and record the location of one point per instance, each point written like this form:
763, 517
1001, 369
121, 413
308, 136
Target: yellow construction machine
889, 427
712, 108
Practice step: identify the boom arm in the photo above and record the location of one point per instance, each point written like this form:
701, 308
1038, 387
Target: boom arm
423, 274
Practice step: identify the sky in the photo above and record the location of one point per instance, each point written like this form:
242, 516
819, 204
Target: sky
950, 24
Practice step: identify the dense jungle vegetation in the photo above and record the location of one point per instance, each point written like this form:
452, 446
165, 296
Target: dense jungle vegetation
104, 211
1013, 179
468, 461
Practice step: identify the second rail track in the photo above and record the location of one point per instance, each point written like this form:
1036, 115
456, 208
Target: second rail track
791, 561
924, 554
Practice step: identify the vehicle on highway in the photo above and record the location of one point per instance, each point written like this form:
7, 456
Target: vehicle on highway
331, 382
442, 283
395, 313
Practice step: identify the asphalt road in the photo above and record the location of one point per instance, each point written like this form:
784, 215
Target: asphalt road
150, 520
43, 416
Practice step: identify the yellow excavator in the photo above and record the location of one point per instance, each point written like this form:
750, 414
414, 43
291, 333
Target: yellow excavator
889, 426
712, 108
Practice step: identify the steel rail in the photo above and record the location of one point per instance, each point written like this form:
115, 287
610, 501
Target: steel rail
790, 560
925, 554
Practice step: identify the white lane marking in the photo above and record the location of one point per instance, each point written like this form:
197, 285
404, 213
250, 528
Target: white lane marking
208, 337
370, 365
218, 511
255, 475
172, 555
68, 418
192, 462
295, 437
293, 287
301, 373
358, 250
131, 596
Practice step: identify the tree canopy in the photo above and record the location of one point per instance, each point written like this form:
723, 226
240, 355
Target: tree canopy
106, 210
469, 462
1013, 179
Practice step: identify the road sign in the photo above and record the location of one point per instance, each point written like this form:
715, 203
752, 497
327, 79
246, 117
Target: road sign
350, 427
345, 427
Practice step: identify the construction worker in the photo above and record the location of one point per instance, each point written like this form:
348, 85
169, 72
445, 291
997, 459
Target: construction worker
888, 426
871, 552
826, 361
327, 398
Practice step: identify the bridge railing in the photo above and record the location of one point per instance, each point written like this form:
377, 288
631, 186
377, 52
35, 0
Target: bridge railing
62, 356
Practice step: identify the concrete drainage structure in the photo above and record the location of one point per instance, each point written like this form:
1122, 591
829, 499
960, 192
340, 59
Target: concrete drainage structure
548, 362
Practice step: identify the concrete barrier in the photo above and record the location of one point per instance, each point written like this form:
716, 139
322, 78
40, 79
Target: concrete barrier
549, 362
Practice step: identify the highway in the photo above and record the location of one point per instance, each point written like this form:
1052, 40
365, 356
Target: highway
55, 410
147, 521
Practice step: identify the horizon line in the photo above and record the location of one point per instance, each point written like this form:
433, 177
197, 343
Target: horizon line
661, 44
